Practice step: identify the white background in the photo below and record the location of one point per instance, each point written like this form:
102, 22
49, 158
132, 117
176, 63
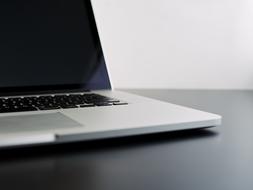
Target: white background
177, 43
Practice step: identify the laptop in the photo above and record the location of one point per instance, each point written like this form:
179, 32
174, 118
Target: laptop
54, 84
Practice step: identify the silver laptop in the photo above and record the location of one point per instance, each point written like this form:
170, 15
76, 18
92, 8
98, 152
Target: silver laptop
54, 85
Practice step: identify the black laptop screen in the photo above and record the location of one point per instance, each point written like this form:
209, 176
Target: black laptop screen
50, 44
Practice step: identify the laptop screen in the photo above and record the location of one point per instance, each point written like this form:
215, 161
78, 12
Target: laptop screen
48, 45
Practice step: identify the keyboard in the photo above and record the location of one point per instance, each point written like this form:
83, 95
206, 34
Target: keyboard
52, 102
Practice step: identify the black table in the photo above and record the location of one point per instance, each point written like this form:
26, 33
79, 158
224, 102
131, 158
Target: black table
218, 158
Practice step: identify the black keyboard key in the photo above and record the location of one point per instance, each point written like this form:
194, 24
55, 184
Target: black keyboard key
120, 103
17, 109
69, 106
87, 105
49, 107
26, 109
112, 101
103, 104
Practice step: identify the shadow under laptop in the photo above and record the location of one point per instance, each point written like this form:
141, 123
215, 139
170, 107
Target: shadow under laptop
108, 145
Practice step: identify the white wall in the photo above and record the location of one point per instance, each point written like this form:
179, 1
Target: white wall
177, 43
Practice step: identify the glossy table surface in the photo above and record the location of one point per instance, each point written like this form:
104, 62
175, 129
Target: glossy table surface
218, 158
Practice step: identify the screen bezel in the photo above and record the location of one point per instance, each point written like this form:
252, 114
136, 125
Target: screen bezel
105, 84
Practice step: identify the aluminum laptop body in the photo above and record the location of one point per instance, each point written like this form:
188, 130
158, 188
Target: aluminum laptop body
54, 85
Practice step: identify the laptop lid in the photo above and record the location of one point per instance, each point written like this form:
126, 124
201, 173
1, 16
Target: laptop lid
50, 45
